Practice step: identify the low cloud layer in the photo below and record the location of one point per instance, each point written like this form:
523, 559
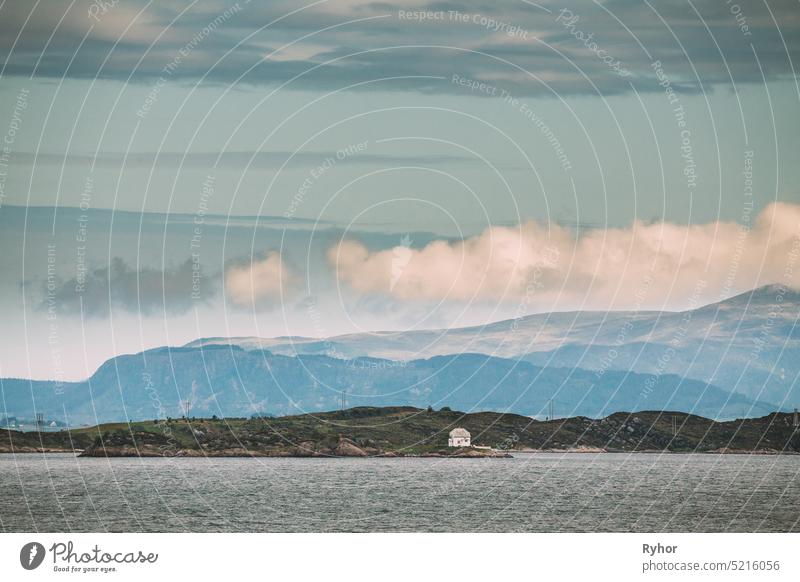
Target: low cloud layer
259, 284
147, 291
656, 265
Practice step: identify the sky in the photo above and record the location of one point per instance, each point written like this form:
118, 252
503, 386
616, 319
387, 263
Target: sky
175, 170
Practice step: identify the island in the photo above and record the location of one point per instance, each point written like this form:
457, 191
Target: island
396, 432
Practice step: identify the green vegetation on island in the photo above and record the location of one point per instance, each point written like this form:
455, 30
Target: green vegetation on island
406, 431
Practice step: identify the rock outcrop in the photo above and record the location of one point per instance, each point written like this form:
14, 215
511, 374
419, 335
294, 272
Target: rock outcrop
347, 448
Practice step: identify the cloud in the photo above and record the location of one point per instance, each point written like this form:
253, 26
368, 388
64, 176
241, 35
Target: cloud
229, 159
545, 267
146, 291
495, 43
261, 283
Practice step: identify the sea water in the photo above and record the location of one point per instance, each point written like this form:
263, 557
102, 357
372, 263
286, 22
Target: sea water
530, 492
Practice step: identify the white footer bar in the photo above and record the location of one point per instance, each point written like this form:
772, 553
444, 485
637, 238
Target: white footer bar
402, 557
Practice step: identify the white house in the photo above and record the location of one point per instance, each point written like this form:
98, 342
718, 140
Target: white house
459, 437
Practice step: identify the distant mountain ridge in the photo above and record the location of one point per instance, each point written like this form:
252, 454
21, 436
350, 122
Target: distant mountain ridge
748, 343
230, 381
704, 362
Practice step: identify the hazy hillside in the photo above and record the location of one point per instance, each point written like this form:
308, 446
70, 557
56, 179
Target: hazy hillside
736, 358
230, 381
749, 344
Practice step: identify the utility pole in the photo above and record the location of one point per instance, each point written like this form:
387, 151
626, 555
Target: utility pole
796, 419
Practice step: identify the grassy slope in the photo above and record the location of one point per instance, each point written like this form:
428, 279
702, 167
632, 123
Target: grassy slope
413, 431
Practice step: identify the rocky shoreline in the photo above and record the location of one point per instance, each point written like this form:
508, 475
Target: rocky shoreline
344, 448
122, 452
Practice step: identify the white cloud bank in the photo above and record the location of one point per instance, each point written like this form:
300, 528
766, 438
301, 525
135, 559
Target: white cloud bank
260, 283
657, 265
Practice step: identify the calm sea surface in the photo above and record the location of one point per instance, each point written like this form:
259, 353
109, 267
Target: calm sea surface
531, 492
